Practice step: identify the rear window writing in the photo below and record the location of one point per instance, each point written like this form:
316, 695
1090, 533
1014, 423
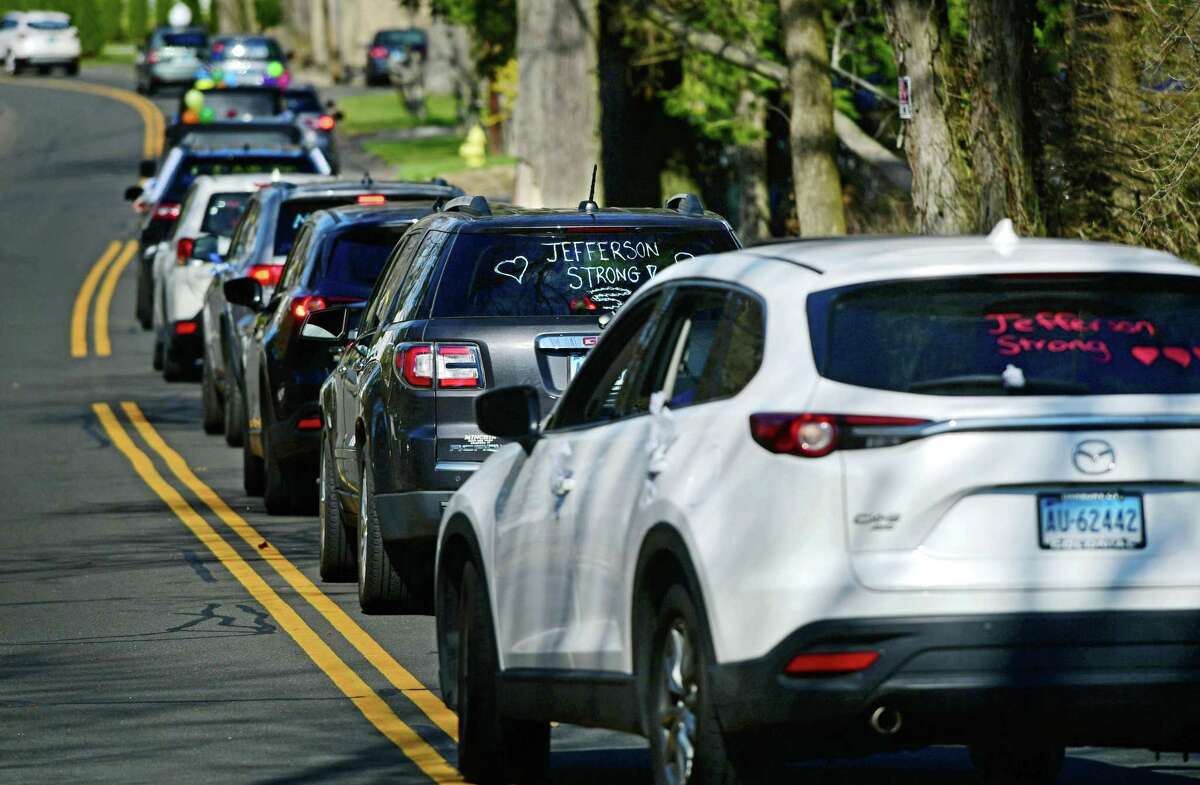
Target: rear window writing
562, 274
222, 213
996, 335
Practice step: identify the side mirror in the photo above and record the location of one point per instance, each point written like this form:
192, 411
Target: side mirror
244, 291
338, 115
132, 193
206, 248
329, 325
512, 413
147, 167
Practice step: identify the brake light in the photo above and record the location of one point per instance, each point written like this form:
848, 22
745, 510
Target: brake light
166, 211
152, 58
450, 366
816, 435
183, 249
594, 229
372, 199
831, 663
186, 328
218, 47
303, 306
309, 424
266, 274
326, 122
379, 52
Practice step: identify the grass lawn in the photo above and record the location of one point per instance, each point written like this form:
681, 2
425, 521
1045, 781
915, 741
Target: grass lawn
421, 159
382, 110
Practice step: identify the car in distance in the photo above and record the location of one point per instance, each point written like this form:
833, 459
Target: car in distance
170, 56
386, 43
337, 258
38, 39
248, 60
475, 298
834, 497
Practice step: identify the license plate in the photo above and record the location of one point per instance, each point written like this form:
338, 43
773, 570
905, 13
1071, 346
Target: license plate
1091, 520
577, 363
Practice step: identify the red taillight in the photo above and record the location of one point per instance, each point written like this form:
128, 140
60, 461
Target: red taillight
326, 122
309, 424
372, 199
451, 366
152, 58
816, 435
218, 47
379, 52
266, 274
303, 306
831, 663
186, 328
183, 249
594, 229
166, 211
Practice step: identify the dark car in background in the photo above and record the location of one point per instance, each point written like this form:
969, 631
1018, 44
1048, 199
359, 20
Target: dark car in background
410, 42
260, 246
315, 120
337, 258
170, 56
475, 298
248, 60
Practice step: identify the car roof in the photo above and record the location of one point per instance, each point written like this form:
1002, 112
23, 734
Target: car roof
417, 190
504, 216
57, 16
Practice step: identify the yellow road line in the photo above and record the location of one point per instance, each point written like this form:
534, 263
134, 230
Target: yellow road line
104, 300
80, 312
385, 663
374, 708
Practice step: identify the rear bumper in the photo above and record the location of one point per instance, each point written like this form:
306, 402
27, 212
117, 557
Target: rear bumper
1110, 679
411, 516
296, 446
187, 350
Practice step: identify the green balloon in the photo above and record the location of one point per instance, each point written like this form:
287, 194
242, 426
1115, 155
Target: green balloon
207, 115
194, 100
205, 84
275, 70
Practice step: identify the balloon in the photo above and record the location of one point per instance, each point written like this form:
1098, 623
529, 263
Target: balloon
218, 74
205, 84
275, 69
190, 117
193, 99
207, 115
179, 15
229, 79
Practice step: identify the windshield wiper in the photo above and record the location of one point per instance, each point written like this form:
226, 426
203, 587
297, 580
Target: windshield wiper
1001, 382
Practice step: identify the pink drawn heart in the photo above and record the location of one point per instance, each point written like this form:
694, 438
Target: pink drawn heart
1146, 355
1178, 355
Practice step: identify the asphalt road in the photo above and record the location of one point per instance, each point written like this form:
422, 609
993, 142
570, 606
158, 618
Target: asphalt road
155, 624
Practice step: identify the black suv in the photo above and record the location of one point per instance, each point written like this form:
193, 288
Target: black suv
337, 257
473, 298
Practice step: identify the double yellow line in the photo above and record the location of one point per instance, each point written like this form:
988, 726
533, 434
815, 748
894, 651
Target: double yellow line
109, 266
372, 706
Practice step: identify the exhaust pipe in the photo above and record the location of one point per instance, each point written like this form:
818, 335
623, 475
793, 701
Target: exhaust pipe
886, 721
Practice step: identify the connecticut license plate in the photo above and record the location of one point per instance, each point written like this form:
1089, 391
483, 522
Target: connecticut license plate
1091, 520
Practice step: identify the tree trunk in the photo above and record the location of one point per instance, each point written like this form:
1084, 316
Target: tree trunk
819, 207
557, 115
942, 192
318, 36
750, 161
1001, 132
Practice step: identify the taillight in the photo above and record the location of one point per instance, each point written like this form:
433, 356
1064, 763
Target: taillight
372, 199
166, 211
831, 663
379, 52
816, 435
303, 306
266, 274
326, 122
183, 250
152, 58
449, 366
309, 424
186, 328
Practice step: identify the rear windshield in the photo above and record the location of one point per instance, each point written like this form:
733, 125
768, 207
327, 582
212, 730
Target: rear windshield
1056, 334
222, 213
233, 137
400, 38
562, 273
355, 259
48, 24
302, 101
260, 49
293, 214
191, 168
184, 40
230, 105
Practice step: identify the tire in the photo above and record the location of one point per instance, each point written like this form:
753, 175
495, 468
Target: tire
382, 588
337, 549
1015, 760
172, 370
235, 414
72, 68
686, 745
157, 360
145, 295
491, 749
254, 478
212, 411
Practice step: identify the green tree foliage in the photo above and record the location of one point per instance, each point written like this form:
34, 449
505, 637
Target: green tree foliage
492, 24
269, 13
139, 19
162, 9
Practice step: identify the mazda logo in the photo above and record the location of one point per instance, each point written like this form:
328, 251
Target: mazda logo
1094, 457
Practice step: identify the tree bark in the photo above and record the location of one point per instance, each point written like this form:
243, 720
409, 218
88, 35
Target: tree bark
557, 115
942, 193
818, 184
750, 160
318, 36
1001, 132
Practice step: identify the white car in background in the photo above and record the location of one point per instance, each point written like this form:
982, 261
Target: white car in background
833, 497
183, 265
39, 39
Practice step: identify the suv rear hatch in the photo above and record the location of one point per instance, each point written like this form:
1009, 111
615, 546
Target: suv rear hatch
1052, 441
530, 303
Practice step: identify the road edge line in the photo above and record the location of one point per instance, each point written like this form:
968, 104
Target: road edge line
83, 300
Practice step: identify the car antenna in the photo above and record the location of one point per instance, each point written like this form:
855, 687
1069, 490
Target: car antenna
590, 205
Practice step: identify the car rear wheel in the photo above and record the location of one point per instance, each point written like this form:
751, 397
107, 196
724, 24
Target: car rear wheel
172, 369
491, 749
253, 475
686, 746
145, 295
1016, 760
157, 360
382, 588
72, 68
212, 411
235, 414
337, 549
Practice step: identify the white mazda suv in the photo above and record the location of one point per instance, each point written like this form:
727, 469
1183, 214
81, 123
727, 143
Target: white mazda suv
833, 497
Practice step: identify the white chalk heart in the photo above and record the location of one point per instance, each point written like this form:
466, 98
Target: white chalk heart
519, 261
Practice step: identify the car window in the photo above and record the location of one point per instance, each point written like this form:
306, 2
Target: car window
293, 268
384, 293
243, 235
603, 390
352, 262
49, 24
1080, 334
294, 212
712, 346
241, 105
245, 49
416, 280
194, 166
303, 101
183, 40
222, 213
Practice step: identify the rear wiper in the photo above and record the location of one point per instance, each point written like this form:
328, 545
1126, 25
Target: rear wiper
1002, 382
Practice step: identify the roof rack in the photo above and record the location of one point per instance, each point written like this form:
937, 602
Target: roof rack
477, 205
687, 204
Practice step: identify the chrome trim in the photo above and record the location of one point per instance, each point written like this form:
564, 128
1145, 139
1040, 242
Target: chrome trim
457, 466
1068, 422
566, 342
